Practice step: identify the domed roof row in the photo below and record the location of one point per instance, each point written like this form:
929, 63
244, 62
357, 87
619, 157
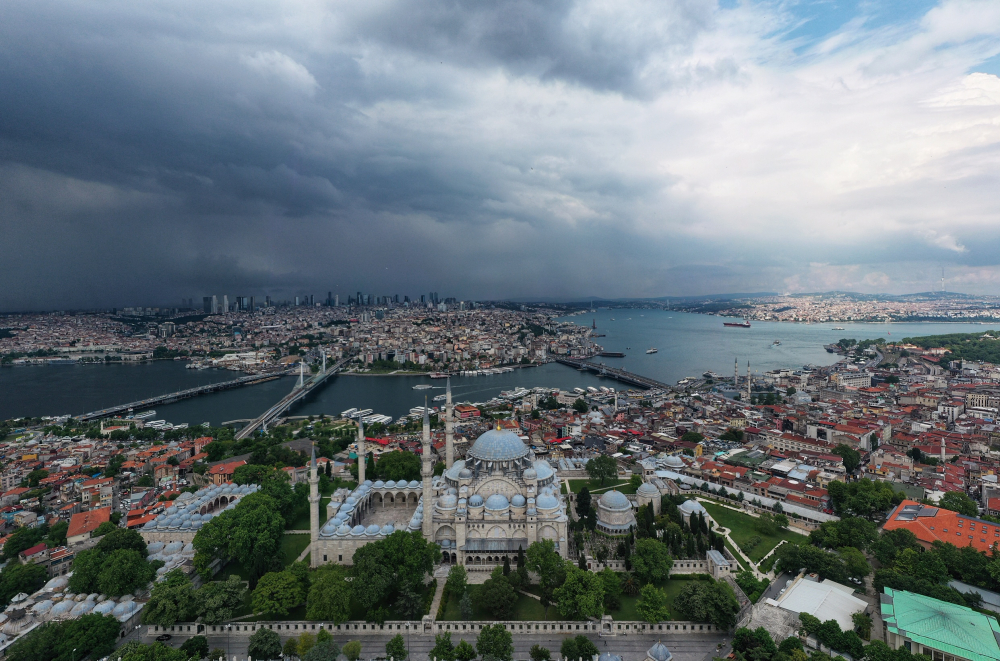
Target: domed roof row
402, 484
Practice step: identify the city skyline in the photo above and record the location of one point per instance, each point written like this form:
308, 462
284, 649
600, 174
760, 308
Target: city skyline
512, 151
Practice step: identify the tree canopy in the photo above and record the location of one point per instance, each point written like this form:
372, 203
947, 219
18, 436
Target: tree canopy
389, 570
602, 468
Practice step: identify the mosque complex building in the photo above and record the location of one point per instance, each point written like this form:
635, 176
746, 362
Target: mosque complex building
495, 502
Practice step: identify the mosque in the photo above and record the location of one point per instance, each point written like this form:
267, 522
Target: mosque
496, 501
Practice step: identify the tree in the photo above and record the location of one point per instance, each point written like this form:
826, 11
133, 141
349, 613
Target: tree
277, 593
398, 465
583, 503
395, 649
702, 601
251, 534
264, 644
652, 604
457, 581
465, 606
957, 501
497, 596
92, 634
862, 624
612, 589
323, 650
173, 599
217, 653
291, 647
464, 651
329, 595
443, 650
579, 647
495, 643
602, 468
196, 647
651, 562
863, 498
219, 599
136, 651
581, 595
15, 578
855, 563
851, 457
692, 437
104, 529
539, 653
545, 561
856, 532
352, 650
386, 569
580, 406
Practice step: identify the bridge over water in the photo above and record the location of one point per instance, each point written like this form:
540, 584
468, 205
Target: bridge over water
615, 373
181, 394
301, 389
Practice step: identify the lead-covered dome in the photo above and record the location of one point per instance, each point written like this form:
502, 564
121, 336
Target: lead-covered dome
497, 502
615, 500
647, 490
498, 445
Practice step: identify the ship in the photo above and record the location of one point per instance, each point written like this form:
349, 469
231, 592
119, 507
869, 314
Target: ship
711, 375
838, 328
737, 324
651, 350
776, 343
422, 386
439, 375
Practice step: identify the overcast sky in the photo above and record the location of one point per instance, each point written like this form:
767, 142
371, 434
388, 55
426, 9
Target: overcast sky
163, 149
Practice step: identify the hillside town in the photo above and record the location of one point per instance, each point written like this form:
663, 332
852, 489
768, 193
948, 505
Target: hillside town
804, 496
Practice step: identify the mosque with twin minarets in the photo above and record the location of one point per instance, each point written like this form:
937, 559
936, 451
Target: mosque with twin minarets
499, 499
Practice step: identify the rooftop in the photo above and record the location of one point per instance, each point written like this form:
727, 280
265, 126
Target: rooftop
942, 625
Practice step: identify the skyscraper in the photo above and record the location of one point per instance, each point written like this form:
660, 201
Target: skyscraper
225, 303
206, 304
336, 301
215, 304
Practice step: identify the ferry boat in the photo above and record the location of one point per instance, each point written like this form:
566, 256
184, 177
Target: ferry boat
651, 350
838, 328
439, 375
423, 386
737, 324
711, 375
145, 415
419, 410
439, 398
592, 390
579, 391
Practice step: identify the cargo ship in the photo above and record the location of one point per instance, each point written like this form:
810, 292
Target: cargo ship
737, 324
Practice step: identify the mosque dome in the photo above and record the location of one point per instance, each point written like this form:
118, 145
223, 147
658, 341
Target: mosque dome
413, 484
465, 474
531, 474
615, 500
518, 500
659, 652
547, 502
388, 529
391, 484
448, 502
344, 529
498, 445
379, 484
372, 530
647, 490
689, 507
498, 502
476, 501
673, 461
358, 530
543, 469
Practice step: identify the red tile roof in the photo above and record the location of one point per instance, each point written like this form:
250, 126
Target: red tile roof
86, 522
932, 524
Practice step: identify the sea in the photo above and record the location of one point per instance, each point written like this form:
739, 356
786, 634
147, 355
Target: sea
686, 346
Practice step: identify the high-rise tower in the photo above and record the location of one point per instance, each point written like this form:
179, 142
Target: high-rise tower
749, 381
313, 509
425, 473
449, 428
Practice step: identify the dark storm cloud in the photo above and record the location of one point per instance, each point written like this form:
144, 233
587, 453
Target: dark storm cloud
152, 151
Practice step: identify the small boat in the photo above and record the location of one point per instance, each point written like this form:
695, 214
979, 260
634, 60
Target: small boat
422, 386
838, 328
651, 350
776, 343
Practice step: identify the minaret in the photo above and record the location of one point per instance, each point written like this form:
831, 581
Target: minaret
942, 450
302, 374
426, 472
736, 374
313, 510
449, 428
749, 381
361, 452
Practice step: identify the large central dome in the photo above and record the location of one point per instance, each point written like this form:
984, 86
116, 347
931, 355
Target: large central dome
498, 445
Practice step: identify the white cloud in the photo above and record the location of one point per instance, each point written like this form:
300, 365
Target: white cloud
283, 68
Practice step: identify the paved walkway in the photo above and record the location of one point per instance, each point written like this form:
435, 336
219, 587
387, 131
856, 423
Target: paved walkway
735, 546
436, 602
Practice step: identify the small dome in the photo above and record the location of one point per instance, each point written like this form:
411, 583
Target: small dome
413, 484
476, 501
388, 529
615, 500
547, 502
391, 484
448, 502
659, 652
531, 474
543, 469
372, 530
498, 502
368, 483
689, 507
358, 530
104, 608
465, 474
673, 461
344, 530
647, 490
62, 608
155, 547
518, 500
379, 484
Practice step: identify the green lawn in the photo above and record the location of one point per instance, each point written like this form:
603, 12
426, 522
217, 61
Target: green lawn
299, 519
291, 547
732, 549
742, 529
594, 486
671, 588
526, 608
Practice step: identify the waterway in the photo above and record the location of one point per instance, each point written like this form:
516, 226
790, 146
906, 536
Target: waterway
687, 344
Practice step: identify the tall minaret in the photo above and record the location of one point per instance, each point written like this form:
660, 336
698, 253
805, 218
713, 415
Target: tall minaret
426, 472
736, 374
449, 429
361, 452
313, 510
749, 381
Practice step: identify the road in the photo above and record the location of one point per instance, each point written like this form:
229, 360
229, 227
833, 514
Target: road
692, 647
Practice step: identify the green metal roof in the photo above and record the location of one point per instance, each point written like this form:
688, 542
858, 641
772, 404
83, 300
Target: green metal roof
948, 627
